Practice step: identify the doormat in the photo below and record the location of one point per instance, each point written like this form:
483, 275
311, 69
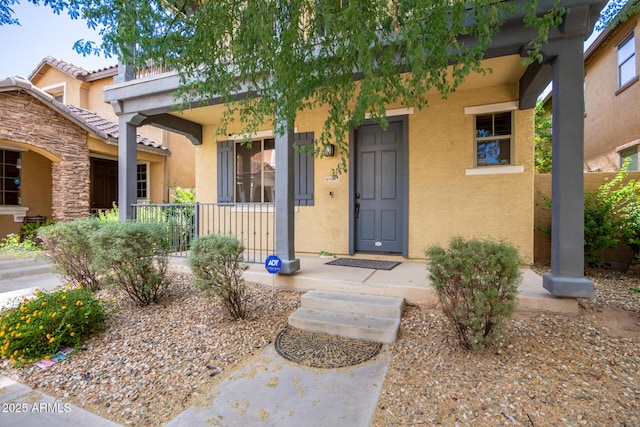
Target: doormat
365, 263
318, 350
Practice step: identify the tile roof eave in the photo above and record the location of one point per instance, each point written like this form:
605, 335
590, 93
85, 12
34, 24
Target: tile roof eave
20, 83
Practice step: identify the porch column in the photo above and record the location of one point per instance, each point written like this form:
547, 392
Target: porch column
566, 278
127, 160
285, 210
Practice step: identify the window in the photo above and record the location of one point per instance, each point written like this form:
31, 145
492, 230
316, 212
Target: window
631, 153
627, 60
56, 91
255, 171
246, 173
141, 181
10, 165
493, 139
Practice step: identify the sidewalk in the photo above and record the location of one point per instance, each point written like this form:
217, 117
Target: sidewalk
269, 390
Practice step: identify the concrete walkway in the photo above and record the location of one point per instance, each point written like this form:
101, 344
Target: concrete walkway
269, 390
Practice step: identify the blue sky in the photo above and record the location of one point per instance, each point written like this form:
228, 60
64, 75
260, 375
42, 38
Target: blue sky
42, 34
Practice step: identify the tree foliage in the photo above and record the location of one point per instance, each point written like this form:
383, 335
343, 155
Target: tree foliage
542, 127
300, 54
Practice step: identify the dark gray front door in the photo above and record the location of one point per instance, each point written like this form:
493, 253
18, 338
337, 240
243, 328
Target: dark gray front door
379, 204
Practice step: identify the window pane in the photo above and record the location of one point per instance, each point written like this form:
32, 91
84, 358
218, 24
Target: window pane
11, 198
248, 172
627, 71
496, 152
11, 157
141, 181
484, 125
269, 165
626, 50
631, 153
9, 177
502, 124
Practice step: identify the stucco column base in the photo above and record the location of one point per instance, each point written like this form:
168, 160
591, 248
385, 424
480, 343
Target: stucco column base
572, 287
289, 266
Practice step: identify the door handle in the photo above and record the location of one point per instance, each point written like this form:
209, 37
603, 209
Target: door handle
357, 210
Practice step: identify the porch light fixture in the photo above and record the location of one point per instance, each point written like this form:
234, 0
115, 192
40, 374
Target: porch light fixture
329, 150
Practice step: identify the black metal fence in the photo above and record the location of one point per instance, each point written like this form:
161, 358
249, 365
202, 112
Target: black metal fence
253, 224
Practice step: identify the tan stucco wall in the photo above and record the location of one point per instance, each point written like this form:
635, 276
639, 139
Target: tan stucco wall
443, 201
611, 119
36, 184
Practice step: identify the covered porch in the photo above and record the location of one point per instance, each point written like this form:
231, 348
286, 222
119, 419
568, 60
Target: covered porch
409, 280
151, 101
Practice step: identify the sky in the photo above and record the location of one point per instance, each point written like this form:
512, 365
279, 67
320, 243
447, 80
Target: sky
43, 33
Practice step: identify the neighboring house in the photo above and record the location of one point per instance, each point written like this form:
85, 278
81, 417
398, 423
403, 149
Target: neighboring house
59, 148
612, 98
462, 166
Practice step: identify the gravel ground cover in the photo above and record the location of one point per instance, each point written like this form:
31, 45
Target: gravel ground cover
549, 370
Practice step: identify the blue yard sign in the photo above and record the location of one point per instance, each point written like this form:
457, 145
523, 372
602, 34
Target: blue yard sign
273, 264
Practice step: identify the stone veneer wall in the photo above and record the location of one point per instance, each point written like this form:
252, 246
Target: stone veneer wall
26, 119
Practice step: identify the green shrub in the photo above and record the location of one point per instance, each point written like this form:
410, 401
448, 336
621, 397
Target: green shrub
109, 215
601, 225
477, 283
70, 251
133, 257
14, 245
29, 232
216, 262
39, 327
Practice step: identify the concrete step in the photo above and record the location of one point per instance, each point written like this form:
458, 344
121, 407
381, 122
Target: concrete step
11, 269
348, 325
342, 302
368, 317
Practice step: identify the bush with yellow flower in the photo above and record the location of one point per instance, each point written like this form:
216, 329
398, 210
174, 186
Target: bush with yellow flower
39, 327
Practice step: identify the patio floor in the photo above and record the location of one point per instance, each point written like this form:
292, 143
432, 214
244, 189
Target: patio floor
408, 280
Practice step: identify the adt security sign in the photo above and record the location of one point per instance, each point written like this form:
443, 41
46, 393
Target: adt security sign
273, 264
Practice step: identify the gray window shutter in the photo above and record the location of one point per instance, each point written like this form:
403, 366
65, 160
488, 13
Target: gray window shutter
303, 170
225, 172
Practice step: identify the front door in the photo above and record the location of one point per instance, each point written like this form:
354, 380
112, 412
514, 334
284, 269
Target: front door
379, 189
104, 183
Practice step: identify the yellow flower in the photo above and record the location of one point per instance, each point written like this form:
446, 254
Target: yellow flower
47, 357
40, 327
63, 297
72, 333
52, 339
43, 303
68, 325
63, 307
28, 321
18, 335
79, 286
1, 334
48, 336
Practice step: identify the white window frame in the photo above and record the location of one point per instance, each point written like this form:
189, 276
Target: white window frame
502, 107
146, 181
621, 61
